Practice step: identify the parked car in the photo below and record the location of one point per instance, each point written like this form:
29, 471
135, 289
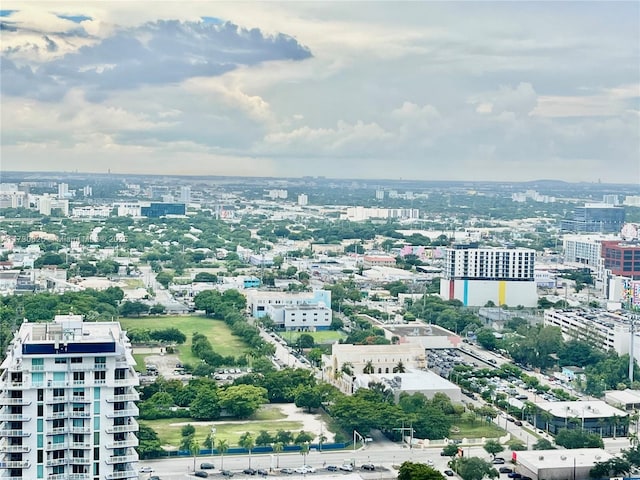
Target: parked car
505, 470
518, 423
305, 469
514, 475
346, 467
449, 473
227, 473
368, 466
498, 461
249, 471
145, 470
263, 472
201, 474
286, 471
154, 477
207, 466
332, 468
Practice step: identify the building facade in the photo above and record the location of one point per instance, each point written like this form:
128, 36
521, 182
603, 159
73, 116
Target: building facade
595, 217
67, 402
475, 276
622, 258
259, 301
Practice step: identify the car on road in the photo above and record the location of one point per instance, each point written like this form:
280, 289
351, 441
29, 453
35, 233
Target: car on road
449, 473
505, 470
249, 471
227, 473
332, 468
263, 472
154, 477
514, 475
206, 466
201, 474
346, 467
498, 461
286, 471
368, 466
145, 470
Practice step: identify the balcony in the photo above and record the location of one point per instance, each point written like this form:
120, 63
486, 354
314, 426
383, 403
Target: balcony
15, 464
54, 462
78, 414
80, 399
78, 383
80, 430
14, 417
56, 415
80, 445
5, 400
37, 368
132, 441
132, 427
57, 446
123, 382
78, 476
61, 399
122, 474
58, 431
79, 461
14, 433
130, 412
127, 397
77, 367
100, 366
15, 449
122, 459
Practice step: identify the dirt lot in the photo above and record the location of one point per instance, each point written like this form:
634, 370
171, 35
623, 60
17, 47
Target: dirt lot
166, 365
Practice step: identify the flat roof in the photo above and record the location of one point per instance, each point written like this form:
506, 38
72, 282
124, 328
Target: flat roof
581, 409
623, 396
411, 380
535, 460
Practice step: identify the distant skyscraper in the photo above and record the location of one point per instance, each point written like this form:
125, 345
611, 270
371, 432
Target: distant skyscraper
87, 191
611, 199
185, 194
303, 199
63, 190
379, 194
67, 406
595, 217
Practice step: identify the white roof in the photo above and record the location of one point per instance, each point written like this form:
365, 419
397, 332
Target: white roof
623, 397
535, 460
581, 409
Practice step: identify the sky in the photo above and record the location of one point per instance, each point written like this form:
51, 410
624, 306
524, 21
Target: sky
490, 91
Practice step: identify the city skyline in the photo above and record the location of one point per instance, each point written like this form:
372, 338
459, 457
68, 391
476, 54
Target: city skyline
429, 91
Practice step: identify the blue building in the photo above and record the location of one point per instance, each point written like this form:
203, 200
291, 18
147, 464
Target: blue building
157, 209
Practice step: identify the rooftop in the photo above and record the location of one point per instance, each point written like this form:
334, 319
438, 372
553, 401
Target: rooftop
581, 457
581, 409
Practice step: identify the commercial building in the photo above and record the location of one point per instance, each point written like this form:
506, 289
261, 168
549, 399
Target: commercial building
303, 200
626, 399
302, 318
584, 250
158, 209
258, 301
67, 406
606, 330
590, 416
415, 381
563, 464
358, 214
622, 258
347, 361
475, 275
595, 217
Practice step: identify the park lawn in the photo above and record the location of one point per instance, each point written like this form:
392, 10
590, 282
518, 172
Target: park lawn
141, 367
133, 283
477, 429
218, 333
322, 336
168, 429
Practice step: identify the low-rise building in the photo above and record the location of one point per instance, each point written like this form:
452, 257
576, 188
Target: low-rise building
302, 318
258, 301
623, 399
414, 381
559, 464
590, 416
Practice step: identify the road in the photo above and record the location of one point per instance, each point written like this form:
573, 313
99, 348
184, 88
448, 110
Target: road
162, 295
382, 457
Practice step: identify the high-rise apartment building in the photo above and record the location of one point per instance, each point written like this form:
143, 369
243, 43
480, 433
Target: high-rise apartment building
303, 200
67, 402
185, 194
475, 275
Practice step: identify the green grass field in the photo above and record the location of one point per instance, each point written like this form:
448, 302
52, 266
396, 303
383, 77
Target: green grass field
478, 429
323, 336
218, 333
168, 430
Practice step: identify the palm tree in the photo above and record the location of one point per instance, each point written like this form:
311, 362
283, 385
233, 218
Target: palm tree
347, 368
399, 368
195, 449
223, 446
247, 441
209, 443
277, 449
368, 368
321, 440
547, 417
304, 449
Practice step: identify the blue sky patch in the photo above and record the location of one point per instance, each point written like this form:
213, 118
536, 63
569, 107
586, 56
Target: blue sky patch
75, 18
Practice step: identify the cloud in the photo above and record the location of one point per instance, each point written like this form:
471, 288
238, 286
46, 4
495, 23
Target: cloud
161, 52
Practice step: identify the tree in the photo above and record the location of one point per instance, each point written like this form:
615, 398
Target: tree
242, 401
209, 442
223, 446
303, 437
486, 338
304, 449
284, 437
368, 368
264, 438
278, 447
474, 468
493, 447
149, 445
246, 441
206, 405
543, 444
399, 368
418, 471
130, 309
205, 277
305, 341
157, 309
614, 467
307, 397
450, 450
164, 278
578, 439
